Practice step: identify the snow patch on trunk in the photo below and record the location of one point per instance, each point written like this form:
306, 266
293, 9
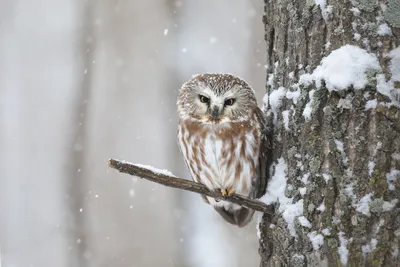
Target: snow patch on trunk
276, 193
344, 67
275, 100
308, 109
391, 178
317, 240
368, 248
343, 250
363, 205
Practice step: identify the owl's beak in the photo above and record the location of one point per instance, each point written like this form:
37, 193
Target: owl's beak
215, 113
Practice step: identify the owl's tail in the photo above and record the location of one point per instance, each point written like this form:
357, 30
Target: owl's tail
240, 217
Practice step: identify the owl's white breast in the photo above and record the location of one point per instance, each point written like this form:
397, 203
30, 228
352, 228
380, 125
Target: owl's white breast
221, 161
232, 169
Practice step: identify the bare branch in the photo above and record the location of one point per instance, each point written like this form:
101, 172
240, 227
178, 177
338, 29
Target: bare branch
175, 182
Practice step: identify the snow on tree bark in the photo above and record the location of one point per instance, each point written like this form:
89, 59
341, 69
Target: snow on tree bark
338, 136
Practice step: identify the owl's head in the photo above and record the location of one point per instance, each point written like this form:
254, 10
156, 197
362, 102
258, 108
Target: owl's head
215, 99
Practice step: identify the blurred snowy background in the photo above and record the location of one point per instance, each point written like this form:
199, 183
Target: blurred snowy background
83, 81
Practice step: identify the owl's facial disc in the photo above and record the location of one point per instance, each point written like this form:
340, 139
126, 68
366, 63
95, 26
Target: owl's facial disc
215, 109
216, 99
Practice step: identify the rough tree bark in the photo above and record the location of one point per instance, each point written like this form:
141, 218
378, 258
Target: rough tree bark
298, 35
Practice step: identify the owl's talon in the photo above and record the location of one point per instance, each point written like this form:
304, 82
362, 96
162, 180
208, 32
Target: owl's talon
229, 192
223, 192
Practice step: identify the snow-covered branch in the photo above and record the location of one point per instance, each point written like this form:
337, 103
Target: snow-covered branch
167, 179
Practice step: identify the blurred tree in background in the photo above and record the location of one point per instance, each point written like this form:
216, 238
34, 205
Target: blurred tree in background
83, 81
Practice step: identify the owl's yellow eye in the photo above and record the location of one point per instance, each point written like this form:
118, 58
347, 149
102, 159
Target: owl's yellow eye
204, 99
229, 102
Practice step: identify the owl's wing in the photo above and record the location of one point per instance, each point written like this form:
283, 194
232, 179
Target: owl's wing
261, 180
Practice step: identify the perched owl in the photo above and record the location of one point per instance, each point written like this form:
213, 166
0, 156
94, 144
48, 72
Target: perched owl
221, 136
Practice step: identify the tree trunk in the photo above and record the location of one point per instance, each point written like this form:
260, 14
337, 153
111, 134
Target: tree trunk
75, 180
336, 142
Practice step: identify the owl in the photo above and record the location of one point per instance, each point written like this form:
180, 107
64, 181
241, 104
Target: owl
221, 135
